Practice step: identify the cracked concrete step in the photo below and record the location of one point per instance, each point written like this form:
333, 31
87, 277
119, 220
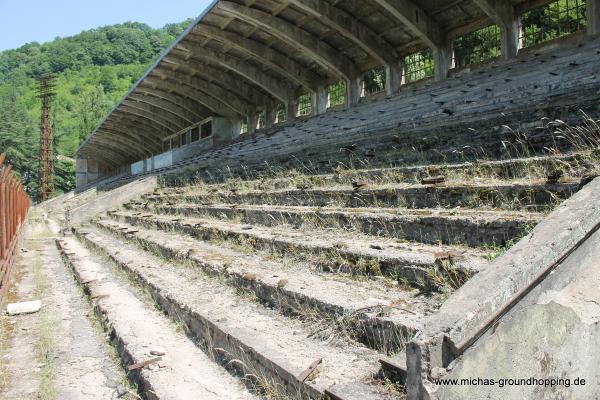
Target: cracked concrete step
458, 226
184, 372
335, 251
573, 165
292, 287
242, 333
509, 196
394, 368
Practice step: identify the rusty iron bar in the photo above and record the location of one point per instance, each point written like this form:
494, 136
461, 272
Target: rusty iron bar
14, 204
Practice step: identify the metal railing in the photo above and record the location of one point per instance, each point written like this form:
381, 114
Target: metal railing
14, 204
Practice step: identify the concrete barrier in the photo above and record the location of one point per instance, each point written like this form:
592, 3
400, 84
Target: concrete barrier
111, 199
478, 307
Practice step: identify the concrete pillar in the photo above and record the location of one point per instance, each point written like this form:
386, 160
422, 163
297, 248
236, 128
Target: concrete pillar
270, 116
292, 109
354, 89
394, 75
320, 100
252, 121
593, 17
511, 38
442, 57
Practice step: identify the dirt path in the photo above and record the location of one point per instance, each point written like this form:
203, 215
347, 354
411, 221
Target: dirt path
59, 352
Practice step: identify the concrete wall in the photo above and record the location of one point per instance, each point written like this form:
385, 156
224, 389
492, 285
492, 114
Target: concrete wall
553, 333
113, 198
86, 171
224, 131
489, 317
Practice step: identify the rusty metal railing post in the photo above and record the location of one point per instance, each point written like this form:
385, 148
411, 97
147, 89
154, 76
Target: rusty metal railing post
2, 215
14, 204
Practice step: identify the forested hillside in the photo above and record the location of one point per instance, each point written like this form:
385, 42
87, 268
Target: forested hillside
94, 70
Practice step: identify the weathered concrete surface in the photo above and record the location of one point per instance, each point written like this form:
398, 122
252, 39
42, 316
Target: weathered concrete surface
553, 333
57, 352
112, 199
492, 290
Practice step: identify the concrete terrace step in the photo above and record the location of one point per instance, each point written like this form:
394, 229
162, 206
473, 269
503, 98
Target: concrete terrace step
292, 287
261, 344
458, 226
574, 165
185, 372
510, 196
336, 251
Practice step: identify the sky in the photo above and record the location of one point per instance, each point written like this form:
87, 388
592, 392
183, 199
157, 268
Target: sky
24, 21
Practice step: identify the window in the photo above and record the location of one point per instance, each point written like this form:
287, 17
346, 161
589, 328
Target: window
304, 105
280, 113
337, 94
374, 81
206, 129
477, 46
175, 142
262, 120
552, 20
418, 66
244, 128
184, 138
166, 145
195, 134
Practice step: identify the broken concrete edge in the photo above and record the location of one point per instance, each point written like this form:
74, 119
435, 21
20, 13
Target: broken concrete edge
493, 291
112, 199
26, 307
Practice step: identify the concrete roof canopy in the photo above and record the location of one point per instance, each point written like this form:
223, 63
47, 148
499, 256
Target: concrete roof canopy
243, 56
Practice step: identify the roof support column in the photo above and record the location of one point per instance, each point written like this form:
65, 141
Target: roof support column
442, 57
511, 38
270, 116
503, 14
292, 109
320, 100
593, 17
394, 75
252, 122
354, 90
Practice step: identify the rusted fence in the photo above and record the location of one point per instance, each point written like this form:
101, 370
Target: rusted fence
14, 204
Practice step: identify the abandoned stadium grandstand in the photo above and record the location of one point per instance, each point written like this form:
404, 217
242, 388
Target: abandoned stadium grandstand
361, 199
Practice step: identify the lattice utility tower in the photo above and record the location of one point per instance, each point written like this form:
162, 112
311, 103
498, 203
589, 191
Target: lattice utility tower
46, 93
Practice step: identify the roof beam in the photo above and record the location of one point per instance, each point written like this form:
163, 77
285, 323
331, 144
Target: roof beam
215, 106
233, 100
119, 155
327, 56
503, 14
278, 62
165, 105
240, 87
199, 111
153, 119
157, 111
129, 136
500, 11
116, 138
141, 127
269, 83
347, 25
416, 20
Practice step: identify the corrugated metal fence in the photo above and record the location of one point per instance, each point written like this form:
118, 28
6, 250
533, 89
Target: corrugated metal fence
14, 204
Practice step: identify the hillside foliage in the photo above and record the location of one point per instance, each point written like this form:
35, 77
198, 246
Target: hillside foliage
94, 70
